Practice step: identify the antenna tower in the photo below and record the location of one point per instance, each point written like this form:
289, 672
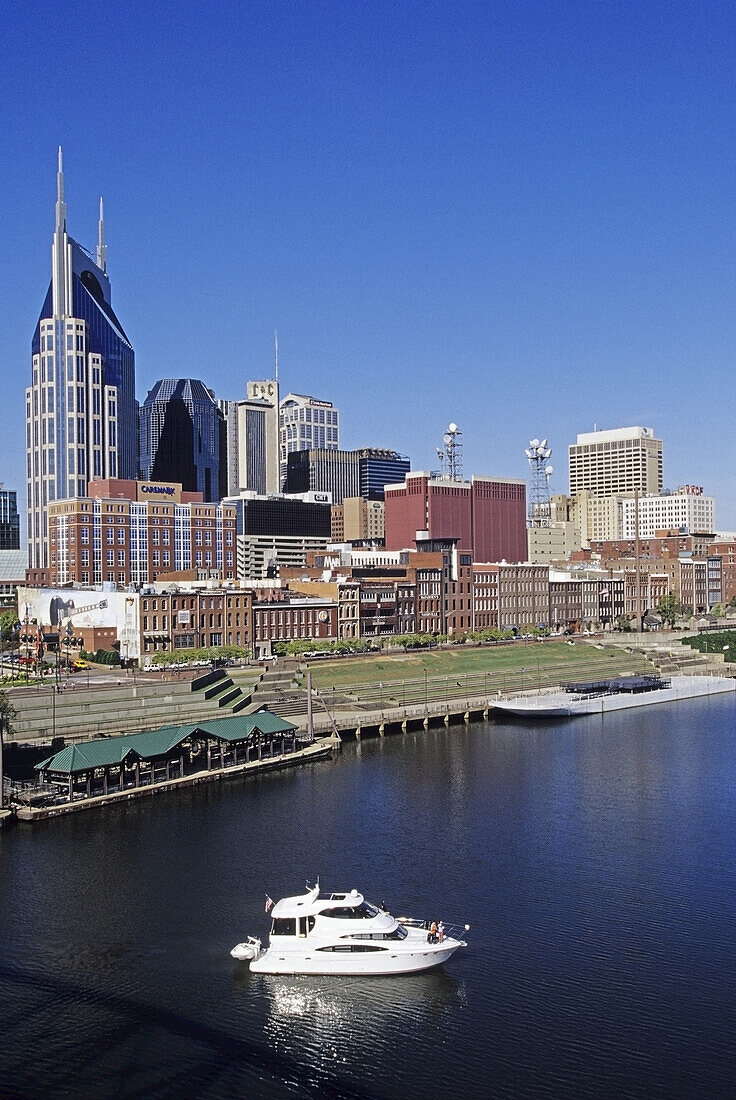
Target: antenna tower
538, 455
451, 454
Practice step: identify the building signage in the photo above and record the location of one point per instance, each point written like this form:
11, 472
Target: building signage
159, 490
267, 390
164, 490
183, 618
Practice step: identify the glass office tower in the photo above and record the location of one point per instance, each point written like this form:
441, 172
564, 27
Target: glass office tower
183, 437
81, 421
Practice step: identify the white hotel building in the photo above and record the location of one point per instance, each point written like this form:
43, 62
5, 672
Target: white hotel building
686, 509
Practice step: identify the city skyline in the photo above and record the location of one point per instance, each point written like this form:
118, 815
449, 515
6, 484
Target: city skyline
518, 219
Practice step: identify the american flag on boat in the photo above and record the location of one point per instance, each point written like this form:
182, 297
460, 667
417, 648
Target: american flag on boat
269, 904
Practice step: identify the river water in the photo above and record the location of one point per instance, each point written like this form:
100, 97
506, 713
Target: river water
594, 859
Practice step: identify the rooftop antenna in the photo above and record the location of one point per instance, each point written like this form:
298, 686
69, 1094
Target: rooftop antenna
452, 455
276, 353
60, 204
538, 455
101, 246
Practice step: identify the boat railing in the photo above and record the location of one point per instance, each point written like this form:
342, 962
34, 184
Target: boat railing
451, 931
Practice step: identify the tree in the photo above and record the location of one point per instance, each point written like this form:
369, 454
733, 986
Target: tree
8, 621
7, 713
670, 609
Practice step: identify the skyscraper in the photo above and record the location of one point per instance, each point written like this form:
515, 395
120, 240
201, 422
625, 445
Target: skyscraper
252, 432
183, 437
80, 406
622, 460
306, 424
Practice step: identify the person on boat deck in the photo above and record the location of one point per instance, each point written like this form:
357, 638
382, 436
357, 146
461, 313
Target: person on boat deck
441, 931
432, 937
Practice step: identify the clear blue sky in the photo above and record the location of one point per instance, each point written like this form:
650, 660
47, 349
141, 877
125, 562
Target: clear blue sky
517, 216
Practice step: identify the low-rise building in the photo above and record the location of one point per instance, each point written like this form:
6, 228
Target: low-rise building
293, 618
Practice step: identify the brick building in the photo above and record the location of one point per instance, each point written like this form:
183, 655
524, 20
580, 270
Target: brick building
486, 516
128, 533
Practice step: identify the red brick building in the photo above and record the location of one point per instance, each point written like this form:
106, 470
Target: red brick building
132, 532
486, 516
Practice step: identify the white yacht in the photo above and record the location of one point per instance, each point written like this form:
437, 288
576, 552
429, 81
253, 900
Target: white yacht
345, 934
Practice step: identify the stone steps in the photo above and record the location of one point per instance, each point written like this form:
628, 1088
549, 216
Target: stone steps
79, 713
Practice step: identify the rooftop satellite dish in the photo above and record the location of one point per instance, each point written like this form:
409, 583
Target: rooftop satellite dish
453, 428
549, 470
533, 442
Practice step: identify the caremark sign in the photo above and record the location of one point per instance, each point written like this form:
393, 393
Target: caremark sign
165, 490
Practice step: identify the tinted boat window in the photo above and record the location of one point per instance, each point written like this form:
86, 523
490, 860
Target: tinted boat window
284, 926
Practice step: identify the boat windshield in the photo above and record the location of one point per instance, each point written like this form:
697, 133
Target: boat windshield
351, 912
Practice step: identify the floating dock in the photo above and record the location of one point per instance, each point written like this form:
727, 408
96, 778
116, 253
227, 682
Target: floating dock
601, 698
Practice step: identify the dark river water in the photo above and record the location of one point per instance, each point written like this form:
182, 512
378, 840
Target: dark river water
595, 860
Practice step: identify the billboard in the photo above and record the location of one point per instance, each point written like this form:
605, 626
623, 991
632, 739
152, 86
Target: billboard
57, 609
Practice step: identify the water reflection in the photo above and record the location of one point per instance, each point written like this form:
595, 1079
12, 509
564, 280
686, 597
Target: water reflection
339, 1021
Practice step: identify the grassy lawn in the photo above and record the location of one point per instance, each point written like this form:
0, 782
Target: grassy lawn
465, 671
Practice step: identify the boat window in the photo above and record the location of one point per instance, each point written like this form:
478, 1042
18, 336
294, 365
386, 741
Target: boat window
397, 934
353, 912
283, 926
360, 947
306, 924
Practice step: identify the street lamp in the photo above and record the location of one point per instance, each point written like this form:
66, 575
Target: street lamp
425, 688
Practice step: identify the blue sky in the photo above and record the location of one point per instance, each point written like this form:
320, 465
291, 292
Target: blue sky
520, 217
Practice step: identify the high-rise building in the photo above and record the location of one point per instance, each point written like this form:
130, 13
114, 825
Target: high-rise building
323, 471
252, 433
622, 460
306, 424
278, 530
9, 520
80, 406
379, 468
364, 472
182, 436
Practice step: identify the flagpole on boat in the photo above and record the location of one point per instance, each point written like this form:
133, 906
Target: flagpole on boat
310, 717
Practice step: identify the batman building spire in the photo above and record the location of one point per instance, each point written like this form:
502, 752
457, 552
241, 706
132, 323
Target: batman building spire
81, 421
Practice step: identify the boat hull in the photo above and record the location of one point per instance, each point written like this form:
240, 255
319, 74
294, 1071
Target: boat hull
355, 964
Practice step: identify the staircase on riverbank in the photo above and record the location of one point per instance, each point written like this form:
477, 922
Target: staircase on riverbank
671, 658
79, 713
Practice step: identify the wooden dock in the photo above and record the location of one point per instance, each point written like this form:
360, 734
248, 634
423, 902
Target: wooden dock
321, 748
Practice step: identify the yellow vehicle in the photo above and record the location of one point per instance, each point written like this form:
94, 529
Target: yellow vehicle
80, 664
